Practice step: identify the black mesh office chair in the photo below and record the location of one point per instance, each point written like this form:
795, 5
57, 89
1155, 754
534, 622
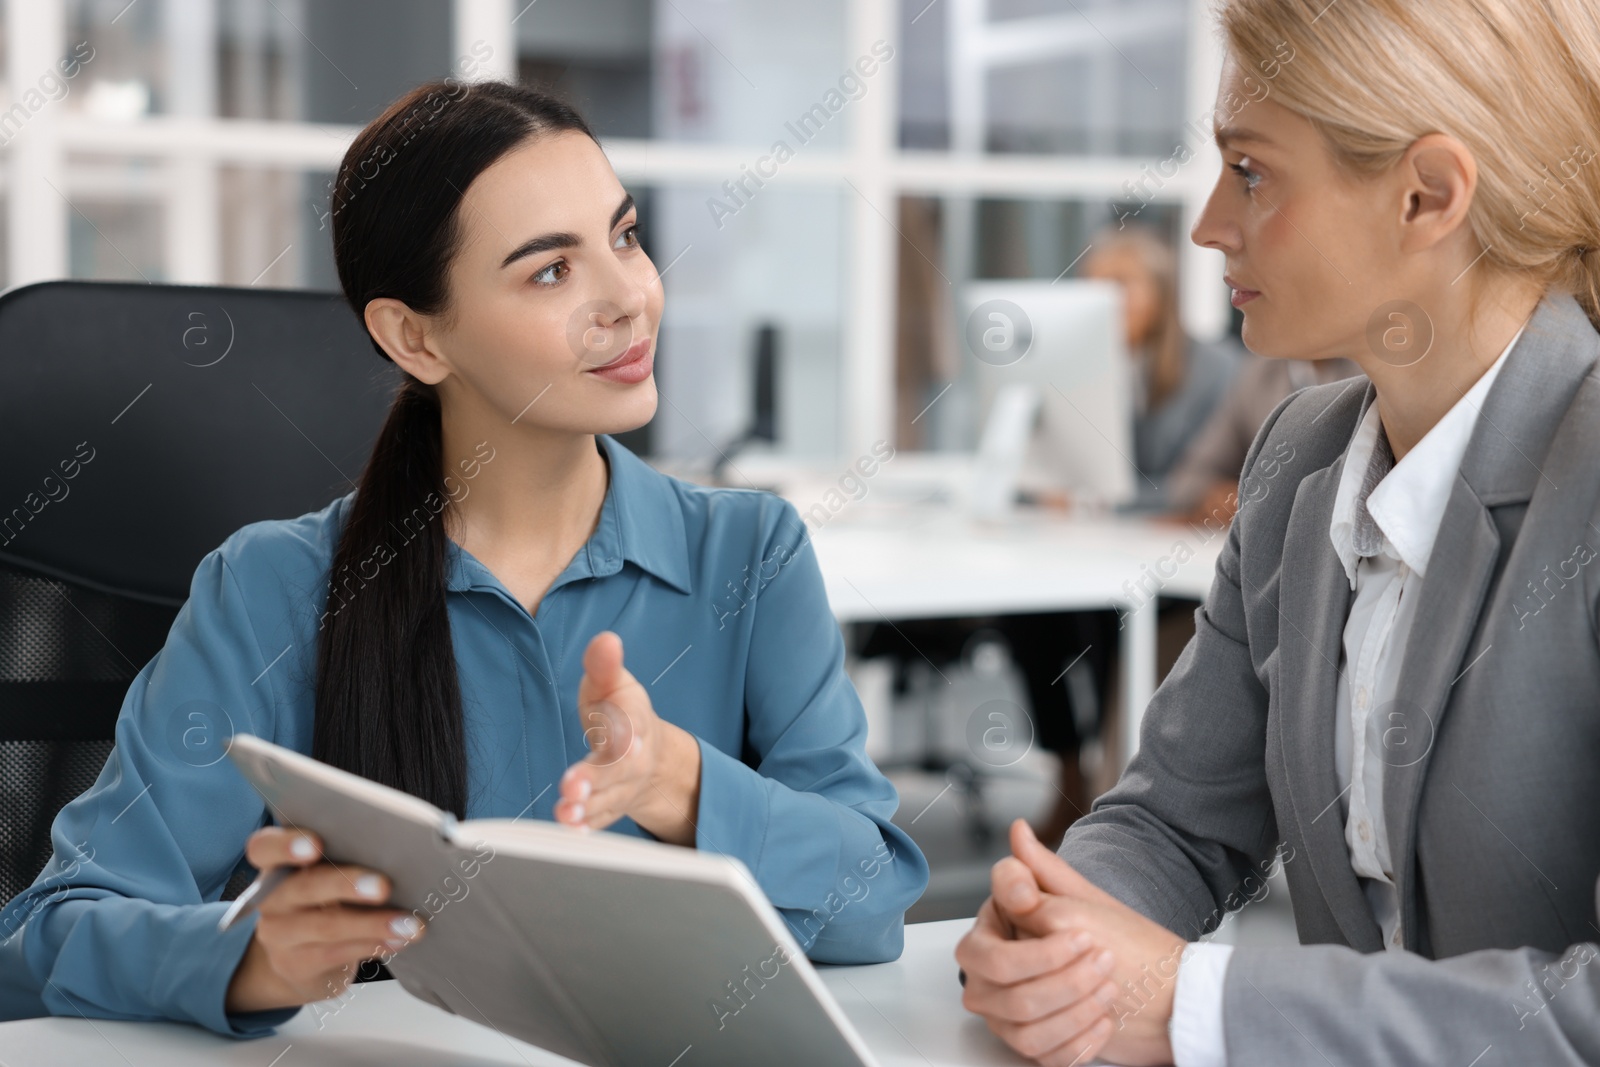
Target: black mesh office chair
140, 425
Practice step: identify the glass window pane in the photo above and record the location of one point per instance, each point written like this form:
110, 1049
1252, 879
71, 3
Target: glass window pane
267, 224
359, 55
261, 56
1074, 77
276, 59
125, 77
596, 54
924, 74
1042, 238
262, 214
779, 263
116, 241
115, 222
696, 70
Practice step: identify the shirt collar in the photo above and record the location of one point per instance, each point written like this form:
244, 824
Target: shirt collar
1358, 463
641, 521
1405, 501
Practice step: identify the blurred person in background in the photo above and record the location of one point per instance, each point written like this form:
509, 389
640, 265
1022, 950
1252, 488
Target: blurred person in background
1178, 381
1204, 485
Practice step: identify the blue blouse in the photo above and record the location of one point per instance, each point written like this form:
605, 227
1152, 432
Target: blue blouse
721, 608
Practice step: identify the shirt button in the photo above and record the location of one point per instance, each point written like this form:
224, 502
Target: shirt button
1364, 830
1361, 697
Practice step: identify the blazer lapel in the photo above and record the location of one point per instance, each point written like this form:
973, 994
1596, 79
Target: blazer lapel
1450, 601
1313, 602
1520, 415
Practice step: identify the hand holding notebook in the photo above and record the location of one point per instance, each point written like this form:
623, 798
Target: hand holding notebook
608, 950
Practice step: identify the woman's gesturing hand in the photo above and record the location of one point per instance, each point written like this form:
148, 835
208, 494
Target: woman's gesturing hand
639, 765
315, 928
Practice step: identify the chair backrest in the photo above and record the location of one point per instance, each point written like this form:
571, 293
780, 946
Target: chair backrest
141, 425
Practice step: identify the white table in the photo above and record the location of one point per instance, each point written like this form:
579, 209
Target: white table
909, 1013
928, 563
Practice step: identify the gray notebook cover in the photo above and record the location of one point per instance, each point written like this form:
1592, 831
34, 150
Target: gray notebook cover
611, 951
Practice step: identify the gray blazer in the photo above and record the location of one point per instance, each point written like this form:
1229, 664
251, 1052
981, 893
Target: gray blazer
1494, 809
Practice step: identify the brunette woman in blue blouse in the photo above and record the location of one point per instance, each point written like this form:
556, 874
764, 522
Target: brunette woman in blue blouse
456, 626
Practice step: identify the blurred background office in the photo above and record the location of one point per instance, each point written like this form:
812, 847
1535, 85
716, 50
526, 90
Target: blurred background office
820, 186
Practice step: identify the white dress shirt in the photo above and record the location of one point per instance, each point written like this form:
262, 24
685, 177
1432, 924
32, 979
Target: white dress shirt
1386, 517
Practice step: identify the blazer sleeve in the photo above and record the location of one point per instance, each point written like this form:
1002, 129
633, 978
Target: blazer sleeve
1190, 823
808, 812
1524, 1005
122, 922
1331, 1004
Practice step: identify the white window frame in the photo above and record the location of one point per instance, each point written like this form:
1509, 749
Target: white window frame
192, 144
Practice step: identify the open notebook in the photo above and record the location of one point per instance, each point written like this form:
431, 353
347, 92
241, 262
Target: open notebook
609, 950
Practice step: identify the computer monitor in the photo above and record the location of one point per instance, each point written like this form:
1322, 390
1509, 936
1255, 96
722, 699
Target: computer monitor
1063, 342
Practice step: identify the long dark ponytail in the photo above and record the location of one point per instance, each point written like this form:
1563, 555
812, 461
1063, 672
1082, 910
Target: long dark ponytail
388, 701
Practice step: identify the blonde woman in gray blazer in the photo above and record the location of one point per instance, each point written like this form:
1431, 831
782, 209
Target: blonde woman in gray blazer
1393, 691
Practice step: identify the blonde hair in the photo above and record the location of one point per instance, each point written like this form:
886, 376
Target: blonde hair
1515, 81
1167, 345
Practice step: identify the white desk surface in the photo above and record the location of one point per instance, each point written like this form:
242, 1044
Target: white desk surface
909, 1013
902, 543
920, 564
886, 564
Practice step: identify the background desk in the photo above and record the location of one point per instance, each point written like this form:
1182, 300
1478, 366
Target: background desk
909, 1012
936, 563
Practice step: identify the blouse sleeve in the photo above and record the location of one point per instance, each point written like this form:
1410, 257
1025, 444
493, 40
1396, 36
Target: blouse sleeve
122, 922
809, 813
